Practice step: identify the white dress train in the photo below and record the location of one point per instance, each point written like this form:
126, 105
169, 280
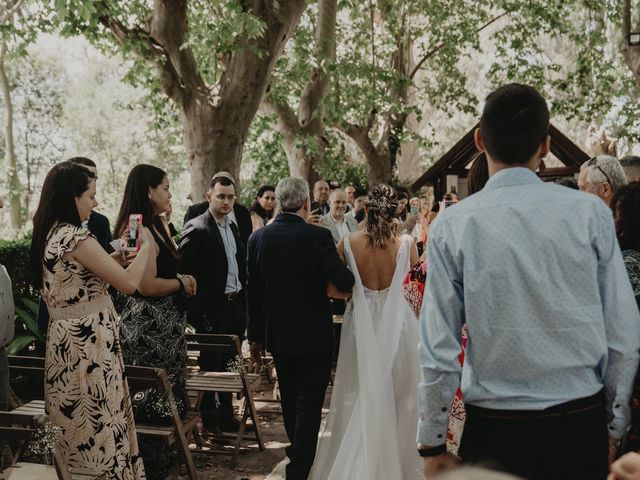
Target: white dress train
370, 433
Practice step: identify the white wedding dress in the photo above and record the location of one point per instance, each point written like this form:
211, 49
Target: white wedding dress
370, 433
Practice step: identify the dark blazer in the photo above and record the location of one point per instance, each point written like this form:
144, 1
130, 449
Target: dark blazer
289, 264
202, 255
241, 212
99, 226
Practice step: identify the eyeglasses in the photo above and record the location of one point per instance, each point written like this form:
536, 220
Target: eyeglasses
231, 197
593, 162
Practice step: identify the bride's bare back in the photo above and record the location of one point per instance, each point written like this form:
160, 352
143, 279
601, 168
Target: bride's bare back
376, 266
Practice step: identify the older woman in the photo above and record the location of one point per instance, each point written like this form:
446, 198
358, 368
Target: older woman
86, 392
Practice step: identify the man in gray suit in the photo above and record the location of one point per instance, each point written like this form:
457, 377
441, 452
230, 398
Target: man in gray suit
336, 221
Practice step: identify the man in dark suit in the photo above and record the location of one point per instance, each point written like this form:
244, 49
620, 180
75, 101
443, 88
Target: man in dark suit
289, 266
211, 250
239, 215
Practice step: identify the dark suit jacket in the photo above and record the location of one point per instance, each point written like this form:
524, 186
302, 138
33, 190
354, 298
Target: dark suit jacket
202, 255
241, 212
288, 266
99, 227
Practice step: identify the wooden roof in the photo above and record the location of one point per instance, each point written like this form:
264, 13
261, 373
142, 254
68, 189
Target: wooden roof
455, 161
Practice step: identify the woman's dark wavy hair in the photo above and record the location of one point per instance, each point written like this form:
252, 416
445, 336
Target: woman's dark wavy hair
478, 174
381, 221
63, 184
136, 200
257, 208
625, 204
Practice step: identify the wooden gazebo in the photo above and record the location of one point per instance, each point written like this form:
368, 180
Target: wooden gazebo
452, 168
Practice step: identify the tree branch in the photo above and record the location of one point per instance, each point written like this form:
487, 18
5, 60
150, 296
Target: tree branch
168, 28
287, 120
150, 51
437, 48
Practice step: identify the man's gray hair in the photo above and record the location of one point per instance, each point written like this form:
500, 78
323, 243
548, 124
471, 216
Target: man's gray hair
291, 193
605, 168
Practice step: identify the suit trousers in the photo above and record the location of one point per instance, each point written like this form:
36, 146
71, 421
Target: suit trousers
303, 381
229, 318
565, 442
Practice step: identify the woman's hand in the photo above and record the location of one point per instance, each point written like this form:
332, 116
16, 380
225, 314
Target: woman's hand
190, 285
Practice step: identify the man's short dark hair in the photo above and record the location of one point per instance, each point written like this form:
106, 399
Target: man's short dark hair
224, 181
630, 161
514, 123
87, 162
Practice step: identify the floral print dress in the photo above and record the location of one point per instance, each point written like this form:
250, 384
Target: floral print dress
86, 392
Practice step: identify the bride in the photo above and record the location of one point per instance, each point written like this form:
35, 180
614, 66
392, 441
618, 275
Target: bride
370, 433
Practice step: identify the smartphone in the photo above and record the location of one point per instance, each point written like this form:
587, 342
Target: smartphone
448, 203
415, 211
135, 224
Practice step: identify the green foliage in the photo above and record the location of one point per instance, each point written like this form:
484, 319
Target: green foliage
28, 335
14, 255
264, 158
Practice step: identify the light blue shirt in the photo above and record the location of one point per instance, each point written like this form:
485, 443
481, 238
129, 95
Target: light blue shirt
233, 272
535, 271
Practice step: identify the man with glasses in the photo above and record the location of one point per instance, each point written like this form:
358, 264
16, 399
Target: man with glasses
211, 251
602, 175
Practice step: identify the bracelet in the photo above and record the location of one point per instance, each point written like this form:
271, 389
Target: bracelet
179, 278
433, 451
614, 443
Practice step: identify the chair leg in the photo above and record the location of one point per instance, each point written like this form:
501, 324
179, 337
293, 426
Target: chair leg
251, 408
243, 424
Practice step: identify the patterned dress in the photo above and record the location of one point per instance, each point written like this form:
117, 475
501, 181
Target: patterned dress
86, 392
632, 262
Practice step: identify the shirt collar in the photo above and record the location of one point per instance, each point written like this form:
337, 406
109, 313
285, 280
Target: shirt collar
512, 176
225, 224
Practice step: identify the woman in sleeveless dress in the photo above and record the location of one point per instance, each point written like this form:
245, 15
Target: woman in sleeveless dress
86, 392
371, 428
153, 320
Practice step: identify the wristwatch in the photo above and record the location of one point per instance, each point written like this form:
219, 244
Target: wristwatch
424, 451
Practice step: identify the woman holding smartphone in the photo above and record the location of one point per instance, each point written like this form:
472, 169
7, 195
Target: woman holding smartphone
86, 392
153, 320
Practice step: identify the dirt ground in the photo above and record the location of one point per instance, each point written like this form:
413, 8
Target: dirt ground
252, 464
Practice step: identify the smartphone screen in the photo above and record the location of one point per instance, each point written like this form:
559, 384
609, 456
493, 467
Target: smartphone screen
135, 224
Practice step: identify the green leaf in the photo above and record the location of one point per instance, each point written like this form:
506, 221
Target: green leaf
30, 323
19, 343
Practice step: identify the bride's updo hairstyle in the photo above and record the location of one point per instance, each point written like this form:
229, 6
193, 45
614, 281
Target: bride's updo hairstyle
381, 223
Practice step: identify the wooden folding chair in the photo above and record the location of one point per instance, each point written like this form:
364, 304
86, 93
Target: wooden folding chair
240, 383
138, 377
20, 428
180, 429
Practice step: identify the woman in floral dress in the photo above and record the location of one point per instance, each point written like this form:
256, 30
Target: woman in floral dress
86, 392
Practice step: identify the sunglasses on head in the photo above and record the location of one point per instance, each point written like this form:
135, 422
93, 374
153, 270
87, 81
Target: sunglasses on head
593, 162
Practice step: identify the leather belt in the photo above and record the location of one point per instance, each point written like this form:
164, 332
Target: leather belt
230, 297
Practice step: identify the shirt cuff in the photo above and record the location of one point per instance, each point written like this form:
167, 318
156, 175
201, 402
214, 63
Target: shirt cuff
432, 433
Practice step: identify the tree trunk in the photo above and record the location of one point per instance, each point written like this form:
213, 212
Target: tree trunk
631, 54
11, 162
377, 157
214, 126
215, 135
309, 122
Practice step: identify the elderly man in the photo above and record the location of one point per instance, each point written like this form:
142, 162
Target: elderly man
338, 224
320, 202
289, 264
603, 176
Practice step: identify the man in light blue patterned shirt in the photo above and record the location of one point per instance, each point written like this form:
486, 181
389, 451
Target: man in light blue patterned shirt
535, 272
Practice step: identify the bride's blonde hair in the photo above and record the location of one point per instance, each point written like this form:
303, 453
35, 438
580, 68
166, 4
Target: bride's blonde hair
381, 223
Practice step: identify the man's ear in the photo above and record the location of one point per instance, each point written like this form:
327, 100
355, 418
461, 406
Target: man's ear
477, 138
546, 147
208, 197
